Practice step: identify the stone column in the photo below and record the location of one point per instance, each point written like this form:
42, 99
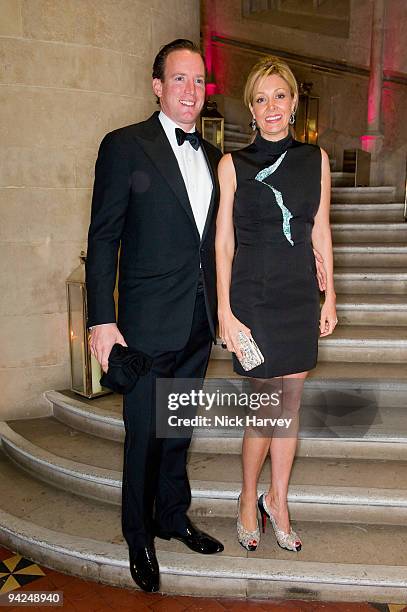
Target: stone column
70, 71
372, 140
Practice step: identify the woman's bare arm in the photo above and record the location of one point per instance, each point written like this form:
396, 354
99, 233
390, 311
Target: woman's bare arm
229, 326
322, 242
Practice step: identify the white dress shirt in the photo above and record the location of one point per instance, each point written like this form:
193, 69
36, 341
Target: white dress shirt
194, 170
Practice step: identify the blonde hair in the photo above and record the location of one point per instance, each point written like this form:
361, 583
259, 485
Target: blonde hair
264, 68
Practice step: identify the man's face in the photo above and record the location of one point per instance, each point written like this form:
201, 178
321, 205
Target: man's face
182, 93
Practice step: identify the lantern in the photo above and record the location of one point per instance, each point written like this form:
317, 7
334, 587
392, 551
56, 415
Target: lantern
306, 123
85, 370
357, 162
212, 124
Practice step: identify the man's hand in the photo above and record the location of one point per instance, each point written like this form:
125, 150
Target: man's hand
321, 272
102, 338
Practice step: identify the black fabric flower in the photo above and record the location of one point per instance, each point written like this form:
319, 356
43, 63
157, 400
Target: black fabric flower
126, 365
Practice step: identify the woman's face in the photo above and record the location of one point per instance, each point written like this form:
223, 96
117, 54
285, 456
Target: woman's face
272, 106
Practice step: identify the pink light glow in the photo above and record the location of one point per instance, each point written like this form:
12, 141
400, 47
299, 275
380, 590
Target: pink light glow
208, 53
371, 109
368, 143
208, 50
211, 89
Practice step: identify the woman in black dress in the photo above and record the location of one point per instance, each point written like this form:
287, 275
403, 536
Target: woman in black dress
274, 209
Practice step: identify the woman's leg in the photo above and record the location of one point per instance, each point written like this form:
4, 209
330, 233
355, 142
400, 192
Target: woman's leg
254, 452
282, 449
256, 446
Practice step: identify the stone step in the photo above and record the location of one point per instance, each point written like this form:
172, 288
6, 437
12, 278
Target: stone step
365, 343
363, 194
369, 232
342, 179
83, 537
232, 145
351, 490
360, 213
348, 490
334, 384
378, 254
233, 127
237, 136
371, 309
365, 279
355, 375
340, 418
356, 343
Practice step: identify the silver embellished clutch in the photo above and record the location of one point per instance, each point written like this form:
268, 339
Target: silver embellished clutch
251, 354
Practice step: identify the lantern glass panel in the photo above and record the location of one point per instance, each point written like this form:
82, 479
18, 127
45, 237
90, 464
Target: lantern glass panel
212, 131
306, 123
312, 127
77, 337
301, 118
85, 369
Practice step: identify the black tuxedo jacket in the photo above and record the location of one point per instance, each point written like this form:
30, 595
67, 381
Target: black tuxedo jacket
140, 209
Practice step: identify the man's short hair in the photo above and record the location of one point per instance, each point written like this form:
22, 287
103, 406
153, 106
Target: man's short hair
175, 45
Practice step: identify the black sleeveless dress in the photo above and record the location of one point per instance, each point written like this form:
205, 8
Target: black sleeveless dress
274, 289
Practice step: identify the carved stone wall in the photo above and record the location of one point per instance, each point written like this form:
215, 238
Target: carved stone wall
70, 71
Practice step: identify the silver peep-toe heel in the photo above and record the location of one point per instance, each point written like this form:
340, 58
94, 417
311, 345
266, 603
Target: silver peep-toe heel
248, 539
289, 541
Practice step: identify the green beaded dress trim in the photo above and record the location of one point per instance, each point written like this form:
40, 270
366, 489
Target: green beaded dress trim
287, 215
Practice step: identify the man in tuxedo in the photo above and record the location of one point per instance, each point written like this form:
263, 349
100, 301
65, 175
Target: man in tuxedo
155, 200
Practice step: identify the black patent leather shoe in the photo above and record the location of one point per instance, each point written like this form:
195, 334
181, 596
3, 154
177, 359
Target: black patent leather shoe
144, 569
195, 539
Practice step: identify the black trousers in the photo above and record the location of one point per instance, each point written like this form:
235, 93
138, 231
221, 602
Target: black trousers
156, 491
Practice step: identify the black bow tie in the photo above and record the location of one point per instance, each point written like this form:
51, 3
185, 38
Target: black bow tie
192, 137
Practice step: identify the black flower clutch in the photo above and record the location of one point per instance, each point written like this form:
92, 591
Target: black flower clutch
126, 365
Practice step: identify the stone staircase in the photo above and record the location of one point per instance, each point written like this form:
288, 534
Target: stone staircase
236, 137
61, 474
341, 179
61, 479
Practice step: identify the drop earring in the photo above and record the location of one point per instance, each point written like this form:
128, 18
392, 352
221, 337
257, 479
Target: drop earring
253, 124
291, 120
